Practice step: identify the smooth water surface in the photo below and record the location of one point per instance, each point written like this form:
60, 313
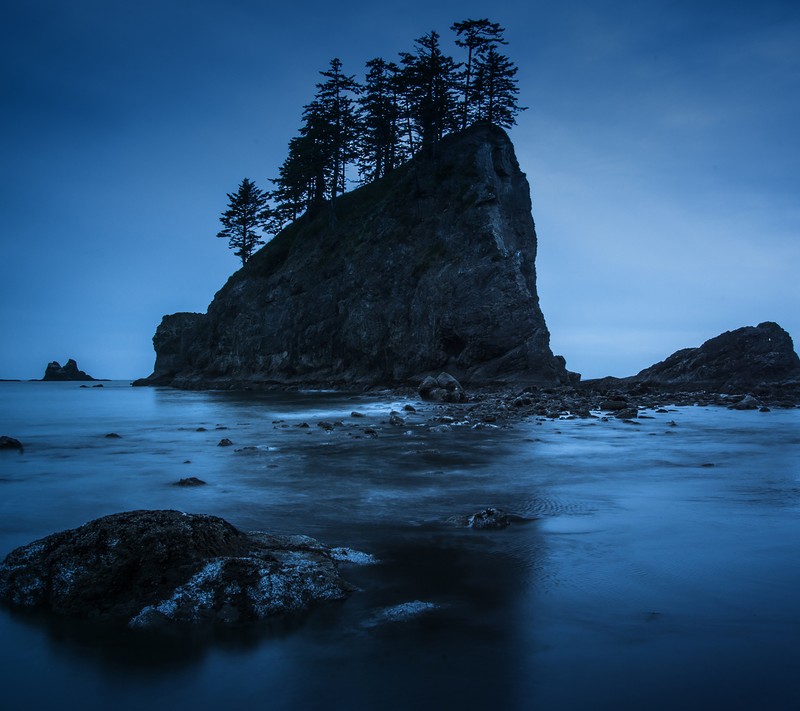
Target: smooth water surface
659, 568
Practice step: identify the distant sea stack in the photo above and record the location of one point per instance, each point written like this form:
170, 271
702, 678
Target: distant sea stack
429, 269
70, 371
735, 361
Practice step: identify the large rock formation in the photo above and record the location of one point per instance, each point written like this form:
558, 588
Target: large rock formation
430, 269
148, 568
70, 371
735, 361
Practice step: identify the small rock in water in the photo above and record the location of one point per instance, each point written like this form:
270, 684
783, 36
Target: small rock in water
354, 413
325, 425
224, 442
190, 481
113, 435
409, 408
371, 431
400, 613
201, 429
395, 420
10, 443
489, 518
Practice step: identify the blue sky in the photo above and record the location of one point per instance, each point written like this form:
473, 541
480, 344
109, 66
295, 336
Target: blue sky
661, 145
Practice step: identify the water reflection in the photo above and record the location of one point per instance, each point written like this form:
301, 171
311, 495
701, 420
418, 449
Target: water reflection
647, 577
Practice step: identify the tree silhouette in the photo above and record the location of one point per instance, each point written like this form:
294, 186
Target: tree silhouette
476, 36
495, 90
332, 123
247, 215
429, 81
379, 145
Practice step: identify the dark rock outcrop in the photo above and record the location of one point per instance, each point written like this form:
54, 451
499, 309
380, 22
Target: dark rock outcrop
742, 360
148, 568
429, 269
190, 481
10, 443
70, 371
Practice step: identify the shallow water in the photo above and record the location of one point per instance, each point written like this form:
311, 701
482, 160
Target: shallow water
645, 578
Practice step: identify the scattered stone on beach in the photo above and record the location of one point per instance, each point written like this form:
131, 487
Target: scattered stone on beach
190, 481
613, 404
409, 408
395, 420
629, 413
370, 432
10, 443
443, 388
748, 402
224, 442
325, 425
159, 568
354, 413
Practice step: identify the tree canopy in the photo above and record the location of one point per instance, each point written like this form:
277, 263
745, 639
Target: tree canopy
403, 107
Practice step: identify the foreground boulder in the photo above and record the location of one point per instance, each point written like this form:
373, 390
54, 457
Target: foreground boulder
735, 361
148, 568
429, 269
70, 371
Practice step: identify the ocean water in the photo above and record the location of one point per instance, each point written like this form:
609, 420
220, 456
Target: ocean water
659, 567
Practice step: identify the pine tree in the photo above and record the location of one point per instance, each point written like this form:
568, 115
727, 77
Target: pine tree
495, 89
332, 122
429, 81
476, 36
379, 145
247, 215
294, 184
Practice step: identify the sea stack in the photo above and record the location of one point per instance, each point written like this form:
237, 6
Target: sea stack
741, 360
68, 372
429, 269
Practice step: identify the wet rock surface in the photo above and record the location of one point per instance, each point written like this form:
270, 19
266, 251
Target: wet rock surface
151, 568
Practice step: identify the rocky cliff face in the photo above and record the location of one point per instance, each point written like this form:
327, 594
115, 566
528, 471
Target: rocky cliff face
429, 269
734, 361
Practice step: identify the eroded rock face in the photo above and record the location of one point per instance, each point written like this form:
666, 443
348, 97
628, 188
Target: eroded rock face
735, 361
148, 568
430, 269
70, 371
